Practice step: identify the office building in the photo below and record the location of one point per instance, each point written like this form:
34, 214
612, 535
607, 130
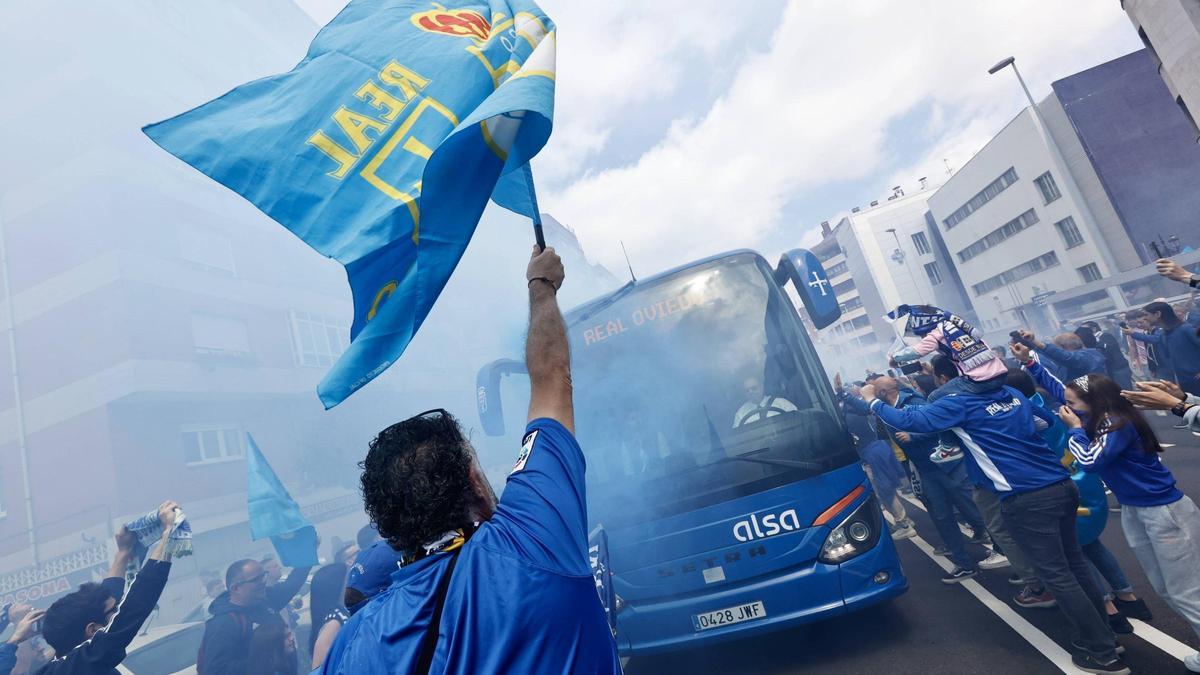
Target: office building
1170, 29
876, 258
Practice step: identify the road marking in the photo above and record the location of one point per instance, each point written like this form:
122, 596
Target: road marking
1167, 445
1036, 638
1161, 640
1145, 631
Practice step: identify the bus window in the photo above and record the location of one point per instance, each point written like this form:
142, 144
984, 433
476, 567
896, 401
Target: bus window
719, 394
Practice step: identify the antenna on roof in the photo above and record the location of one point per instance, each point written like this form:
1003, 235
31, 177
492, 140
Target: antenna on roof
631, 275
948, 169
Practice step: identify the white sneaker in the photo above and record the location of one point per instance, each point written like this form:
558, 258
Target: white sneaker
904, 530
994, 561
1192, 662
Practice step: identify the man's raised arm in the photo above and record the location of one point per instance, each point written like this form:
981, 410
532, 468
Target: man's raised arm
547, 354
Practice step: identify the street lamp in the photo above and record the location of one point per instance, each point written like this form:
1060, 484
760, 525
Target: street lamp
1060, 166
1011, 61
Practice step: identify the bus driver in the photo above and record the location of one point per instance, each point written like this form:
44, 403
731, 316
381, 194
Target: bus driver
759, 406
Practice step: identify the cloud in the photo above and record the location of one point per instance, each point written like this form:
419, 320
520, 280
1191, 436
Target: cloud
624, 61
809, 108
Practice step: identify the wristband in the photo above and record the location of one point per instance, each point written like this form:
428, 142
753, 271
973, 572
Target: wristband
1194, 282
1181, 408
552, 286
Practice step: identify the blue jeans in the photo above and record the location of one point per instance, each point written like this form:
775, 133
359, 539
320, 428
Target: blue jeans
946, 490
1106, 568
1042, 522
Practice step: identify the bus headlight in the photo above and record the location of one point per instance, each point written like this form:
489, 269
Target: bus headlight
856, 535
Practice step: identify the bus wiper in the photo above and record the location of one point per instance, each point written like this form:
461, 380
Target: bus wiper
789, 463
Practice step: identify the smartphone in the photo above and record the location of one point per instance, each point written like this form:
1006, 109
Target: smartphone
911, 368
1123, 324
37, 626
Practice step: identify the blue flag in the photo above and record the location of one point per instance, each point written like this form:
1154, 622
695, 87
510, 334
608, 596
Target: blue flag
381, 148
274, 514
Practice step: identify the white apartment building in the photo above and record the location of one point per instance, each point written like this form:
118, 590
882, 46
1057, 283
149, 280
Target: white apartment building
877, 258
1018, 230
1170, 29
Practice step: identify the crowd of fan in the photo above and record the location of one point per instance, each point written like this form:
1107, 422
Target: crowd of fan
1018, 443
430, 505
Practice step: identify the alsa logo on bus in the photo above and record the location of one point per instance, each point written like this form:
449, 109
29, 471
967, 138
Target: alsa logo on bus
770, 525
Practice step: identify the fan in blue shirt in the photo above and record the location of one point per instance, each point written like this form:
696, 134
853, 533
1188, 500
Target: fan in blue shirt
485, 587
1124, 455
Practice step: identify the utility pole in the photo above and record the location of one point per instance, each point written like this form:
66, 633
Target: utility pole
18, 406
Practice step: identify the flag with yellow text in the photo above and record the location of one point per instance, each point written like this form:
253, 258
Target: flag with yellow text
381, 148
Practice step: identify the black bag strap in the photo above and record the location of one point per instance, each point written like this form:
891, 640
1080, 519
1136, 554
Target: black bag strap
429, 642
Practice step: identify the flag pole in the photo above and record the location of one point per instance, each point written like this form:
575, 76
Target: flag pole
536, 216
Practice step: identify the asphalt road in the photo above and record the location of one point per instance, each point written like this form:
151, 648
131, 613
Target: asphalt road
965, 628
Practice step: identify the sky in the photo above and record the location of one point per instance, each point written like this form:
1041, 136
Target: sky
688, 128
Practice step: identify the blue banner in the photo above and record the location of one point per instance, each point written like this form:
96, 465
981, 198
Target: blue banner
381, 148
273, 513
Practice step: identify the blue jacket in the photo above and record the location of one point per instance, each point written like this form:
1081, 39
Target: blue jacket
1135, 476
522, 598
1178, 347
1076, 363
1005, 453
919, 446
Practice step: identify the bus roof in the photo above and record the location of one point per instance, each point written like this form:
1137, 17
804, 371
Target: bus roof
580, 312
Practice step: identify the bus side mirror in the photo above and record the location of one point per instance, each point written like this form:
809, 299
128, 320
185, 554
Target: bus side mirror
802, 268
487, 393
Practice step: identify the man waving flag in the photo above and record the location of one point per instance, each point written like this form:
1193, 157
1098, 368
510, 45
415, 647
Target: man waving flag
381, 148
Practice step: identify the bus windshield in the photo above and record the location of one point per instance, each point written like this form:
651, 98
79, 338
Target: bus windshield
720, 396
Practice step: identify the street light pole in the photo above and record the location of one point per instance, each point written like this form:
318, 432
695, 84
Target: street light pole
1060, 167
18, 407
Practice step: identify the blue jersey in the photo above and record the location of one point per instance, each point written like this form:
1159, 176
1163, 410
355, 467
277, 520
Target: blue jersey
1005, 453
522, 598
1135, 476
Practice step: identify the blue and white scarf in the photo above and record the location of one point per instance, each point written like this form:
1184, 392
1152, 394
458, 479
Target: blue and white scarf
149, 528
921, 318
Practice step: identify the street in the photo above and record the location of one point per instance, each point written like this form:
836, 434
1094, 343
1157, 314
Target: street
971, 627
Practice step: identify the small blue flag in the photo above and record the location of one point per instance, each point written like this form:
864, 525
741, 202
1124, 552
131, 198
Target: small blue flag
274, 514
380, 150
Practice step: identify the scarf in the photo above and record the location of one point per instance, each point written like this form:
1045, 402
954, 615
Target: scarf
149, 528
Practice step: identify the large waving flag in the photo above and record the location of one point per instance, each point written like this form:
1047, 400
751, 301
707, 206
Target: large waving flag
380, 150
274, 514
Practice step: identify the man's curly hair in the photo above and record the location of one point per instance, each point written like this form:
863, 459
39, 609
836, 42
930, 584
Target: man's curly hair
416, 479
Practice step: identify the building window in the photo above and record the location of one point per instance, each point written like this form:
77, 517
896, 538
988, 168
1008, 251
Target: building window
851, 304
921, 243
837, 269
207, 248
209, 443
1046, 185
1089, 273
844, 287
935, 275
984, 196
1069, 232
318, 340
860, 322
1025, 269
998, 235
220, 335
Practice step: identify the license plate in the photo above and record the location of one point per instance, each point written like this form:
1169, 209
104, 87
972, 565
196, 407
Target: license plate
726, 617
